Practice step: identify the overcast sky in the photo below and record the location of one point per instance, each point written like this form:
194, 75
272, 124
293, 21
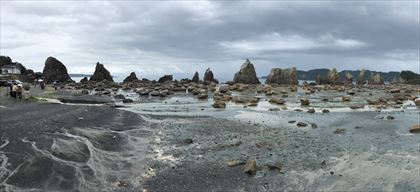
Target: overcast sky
181, 37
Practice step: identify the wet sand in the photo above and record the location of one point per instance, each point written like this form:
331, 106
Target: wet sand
185, 144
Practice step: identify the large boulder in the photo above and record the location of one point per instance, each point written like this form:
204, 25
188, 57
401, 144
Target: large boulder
131, 78
54, 70
361, 78
282, 76
196, 77
208, 76
376, 79
101, 73
246, 74
165, 78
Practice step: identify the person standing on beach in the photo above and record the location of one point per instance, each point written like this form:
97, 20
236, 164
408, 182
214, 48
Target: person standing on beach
14, 90
19, 91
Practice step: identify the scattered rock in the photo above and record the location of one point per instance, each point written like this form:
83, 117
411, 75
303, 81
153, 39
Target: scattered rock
389, 117
250, 167
127, 100
415, 129
234, 163
119, 96
311, 110
346, 98
357, 107
293, 121
276, 166
417, 102
278, 101
202, 96
373, 102
84, 92
301, 124
219, 104
314, 126
339, 130
304, 101
122, 184
188, 140
246, 74
325, 111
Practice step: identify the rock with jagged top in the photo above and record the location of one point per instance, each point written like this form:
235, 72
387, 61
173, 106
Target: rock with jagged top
101, 73
331, 78
131, 78
54, 70
208, 76
196, 77
246, 74
282, 76
165, 78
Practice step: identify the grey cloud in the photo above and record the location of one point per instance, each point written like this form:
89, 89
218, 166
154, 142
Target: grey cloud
154, 38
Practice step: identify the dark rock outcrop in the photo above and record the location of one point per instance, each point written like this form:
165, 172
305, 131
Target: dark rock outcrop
196, 78
282, 76
84, 80
376, 79
131, 78
101, 73
246, 74
165, 78
208, 76
54, 70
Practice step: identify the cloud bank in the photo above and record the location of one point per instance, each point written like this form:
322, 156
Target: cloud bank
181, 37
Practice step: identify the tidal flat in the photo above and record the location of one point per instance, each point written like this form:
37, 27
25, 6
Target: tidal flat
181, 142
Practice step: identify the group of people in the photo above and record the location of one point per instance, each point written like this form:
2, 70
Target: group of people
15, 90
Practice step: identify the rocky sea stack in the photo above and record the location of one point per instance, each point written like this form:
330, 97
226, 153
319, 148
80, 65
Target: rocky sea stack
196, 77
165, 78
376, 79
361, 78
282, 76
331, 78
246, 74
54, 70
101, 73
131, 78
208, 76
